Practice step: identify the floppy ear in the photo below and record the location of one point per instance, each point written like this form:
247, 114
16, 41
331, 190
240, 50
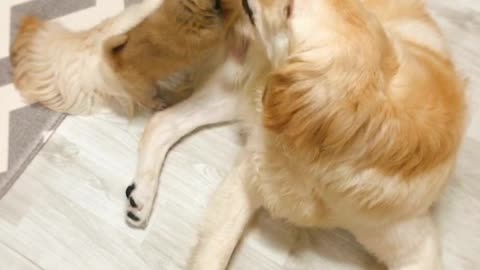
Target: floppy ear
291, 109
312, 108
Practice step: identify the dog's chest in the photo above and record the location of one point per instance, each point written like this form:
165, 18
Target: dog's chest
284, 190
290, 194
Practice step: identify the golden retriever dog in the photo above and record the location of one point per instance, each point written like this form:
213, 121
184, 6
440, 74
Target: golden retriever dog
152, 55
354, 114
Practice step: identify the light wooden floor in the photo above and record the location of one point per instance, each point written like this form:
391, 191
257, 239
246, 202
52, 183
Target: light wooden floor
66, 211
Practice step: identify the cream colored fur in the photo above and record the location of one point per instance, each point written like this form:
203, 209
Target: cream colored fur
66, 71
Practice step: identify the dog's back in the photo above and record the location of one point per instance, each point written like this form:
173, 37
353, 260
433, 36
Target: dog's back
371, 109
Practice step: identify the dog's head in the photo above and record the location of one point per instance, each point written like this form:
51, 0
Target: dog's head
167, 55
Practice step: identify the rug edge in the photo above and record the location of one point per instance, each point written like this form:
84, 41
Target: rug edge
23, 166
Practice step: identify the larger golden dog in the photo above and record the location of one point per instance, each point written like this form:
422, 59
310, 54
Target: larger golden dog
354, 114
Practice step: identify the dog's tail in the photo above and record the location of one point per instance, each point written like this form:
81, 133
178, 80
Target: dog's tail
21, 55
48, 61
63, 70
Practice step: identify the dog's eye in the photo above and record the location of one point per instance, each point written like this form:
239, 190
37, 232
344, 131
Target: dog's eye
248, 10
288, 11
218, 5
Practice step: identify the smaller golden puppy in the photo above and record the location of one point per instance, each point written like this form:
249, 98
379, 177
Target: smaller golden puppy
354, 114
151, 55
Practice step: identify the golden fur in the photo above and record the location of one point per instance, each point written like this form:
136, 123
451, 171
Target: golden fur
179, 45
394, 107
362, 99
355, 122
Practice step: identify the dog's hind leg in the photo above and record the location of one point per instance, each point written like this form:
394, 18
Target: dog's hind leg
408, 245
229, 212
210, 105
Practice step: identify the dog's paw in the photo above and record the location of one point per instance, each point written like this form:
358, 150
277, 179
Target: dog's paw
140, 199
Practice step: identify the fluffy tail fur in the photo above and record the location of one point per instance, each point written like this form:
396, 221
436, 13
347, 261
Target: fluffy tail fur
64, 70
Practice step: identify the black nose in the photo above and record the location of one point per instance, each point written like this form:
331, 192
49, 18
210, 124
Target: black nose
248, 10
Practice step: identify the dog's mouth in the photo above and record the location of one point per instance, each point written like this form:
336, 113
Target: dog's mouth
248, 10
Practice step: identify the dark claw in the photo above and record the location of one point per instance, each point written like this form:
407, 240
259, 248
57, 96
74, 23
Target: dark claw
132, 203
133, 217
129, 190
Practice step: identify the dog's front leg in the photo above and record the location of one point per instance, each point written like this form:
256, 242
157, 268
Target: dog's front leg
212, 104
228, 213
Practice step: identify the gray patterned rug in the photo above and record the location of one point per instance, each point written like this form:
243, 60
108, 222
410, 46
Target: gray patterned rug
25, 128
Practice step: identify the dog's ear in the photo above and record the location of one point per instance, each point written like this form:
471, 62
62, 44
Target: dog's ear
308, 107
112, 48
290, 107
